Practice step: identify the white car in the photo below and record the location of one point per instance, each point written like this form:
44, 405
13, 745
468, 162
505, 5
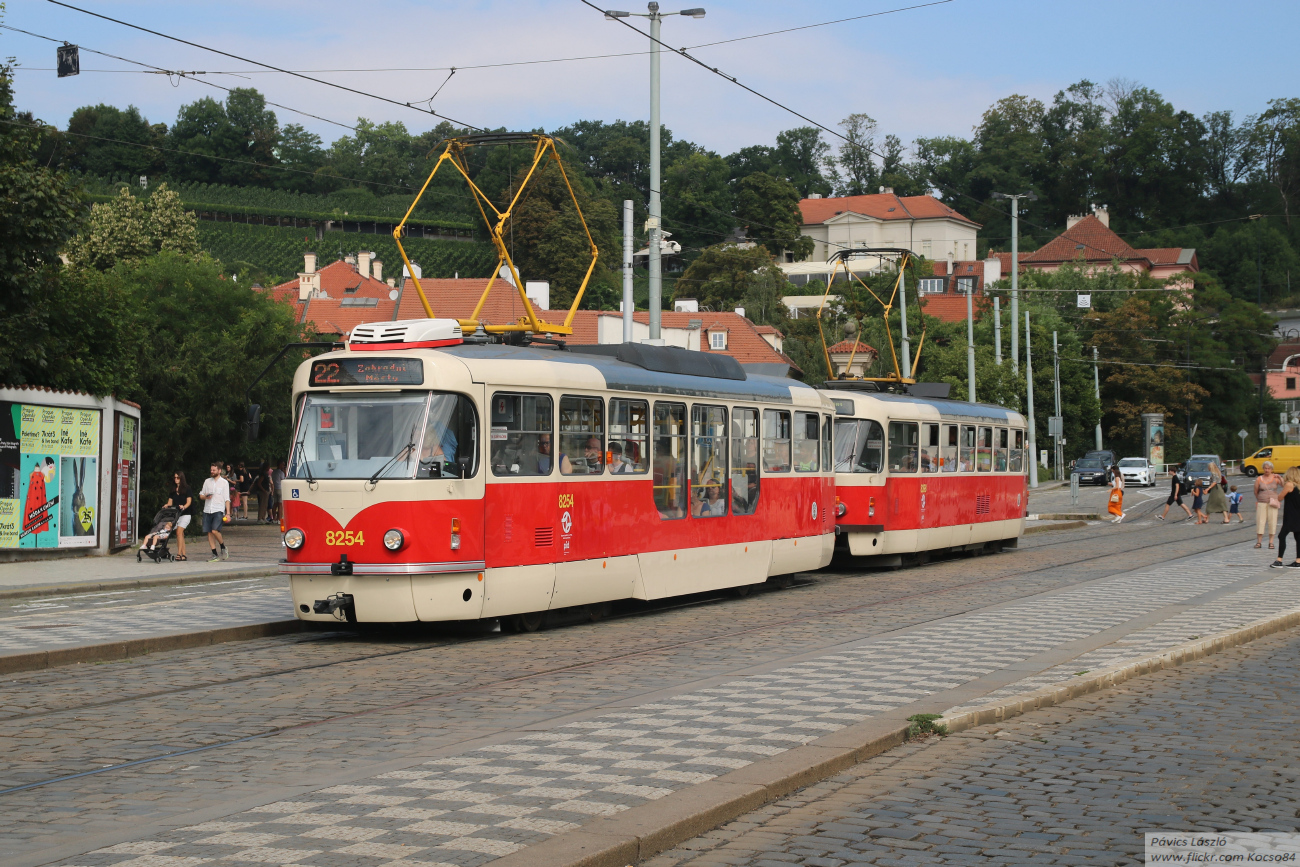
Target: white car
1137, 471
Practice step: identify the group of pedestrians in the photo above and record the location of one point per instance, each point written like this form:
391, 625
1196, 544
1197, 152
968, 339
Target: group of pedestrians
226, 491
1276, 494
1213, 496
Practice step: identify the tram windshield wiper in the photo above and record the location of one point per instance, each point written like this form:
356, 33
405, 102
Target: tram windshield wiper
300, 449
406, 449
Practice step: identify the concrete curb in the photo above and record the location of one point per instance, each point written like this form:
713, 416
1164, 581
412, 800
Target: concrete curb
42, 659
1065, 516
1108, 677
31, 591
1048, 528
648, 829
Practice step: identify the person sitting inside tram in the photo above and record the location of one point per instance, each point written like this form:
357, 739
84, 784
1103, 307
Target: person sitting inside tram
589, 462
531, 456
618, 463
712, 504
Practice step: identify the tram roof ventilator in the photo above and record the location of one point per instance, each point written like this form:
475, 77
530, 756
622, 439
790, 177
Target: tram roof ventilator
406, 334
667, 359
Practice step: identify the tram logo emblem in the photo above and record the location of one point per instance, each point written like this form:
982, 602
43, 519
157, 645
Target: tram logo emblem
566, 522
814, 511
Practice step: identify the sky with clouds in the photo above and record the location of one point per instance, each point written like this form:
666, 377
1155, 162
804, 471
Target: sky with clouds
922, 72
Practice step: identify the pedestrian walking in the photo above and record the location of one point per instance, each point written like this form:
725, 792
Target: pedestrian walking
1177, 488
1198, 501
1234, 505
1216, 500
1116, 507
181, 498
1268, 497
244, 484
229, 475
1290, 518
261, 481
277, 504
215, 495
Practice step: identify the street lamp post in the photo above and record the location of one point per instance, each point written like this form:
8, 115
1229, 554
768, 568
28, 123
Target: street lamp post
1015, 270
654, 225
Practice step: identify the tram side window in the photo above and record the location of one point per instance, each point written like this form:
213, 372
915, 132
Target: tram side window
582, 436
1017, 462
450, 447
984, 450
670, 460
806, 428
776, 441
948, 453
1000, 455
629, 436
828, 442
708, 461
744, 461
521, 435
903, 446
967, 462
929, 448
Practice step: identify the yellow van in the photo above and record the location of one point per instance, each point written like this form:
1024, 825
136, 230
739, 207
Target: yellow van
1282, 457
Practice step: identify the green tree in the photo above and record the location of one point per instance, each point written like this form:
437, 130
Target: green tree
768, 208
128, 229
697, 200
724, 275
801, 157
239, 137
855, 172
113, 143
1275, 137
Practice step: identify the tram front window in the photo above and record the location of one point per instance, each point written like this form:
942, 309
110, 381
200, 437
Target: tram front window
385, 436
859, 446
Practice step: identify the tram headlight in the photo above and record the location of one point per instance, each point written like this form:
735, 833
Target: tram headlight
294, 538
840, 509
394, 540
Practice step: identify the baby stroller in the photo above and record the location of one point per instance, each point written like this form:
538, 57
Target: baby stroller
164, 524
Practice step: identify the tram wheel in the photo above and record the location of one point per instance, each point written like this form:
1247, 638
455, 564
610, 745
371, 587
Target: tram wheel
742, 591
530, 622
781, 582
597, 612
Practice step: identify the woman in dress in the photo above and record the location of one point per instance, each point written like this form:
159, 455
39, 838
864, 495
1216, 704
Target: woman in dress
1217, 501
1116, 507
183, 500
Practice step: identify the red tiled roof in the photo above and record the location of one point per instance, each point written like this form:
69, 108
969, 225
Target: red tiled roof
880, 206
768, 329
1005, 259
1099, 243
455, 299
744, 342
847, 346
339, 282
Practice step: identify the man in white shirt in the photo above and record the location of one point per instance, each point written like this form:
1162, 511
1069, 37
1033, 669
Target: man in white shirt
216, 510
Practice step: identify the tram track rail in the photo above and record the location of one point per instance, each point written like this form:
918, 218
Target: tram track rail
555, 670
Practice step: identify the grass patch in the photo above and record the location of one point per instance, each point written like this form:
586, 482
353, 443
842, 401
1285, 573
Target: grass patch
924, 724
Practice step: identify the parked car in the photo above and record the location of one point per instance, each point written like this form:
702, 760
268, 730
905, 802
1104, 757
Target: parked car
1283, 458
1198, 467
1106, 456
1137, 471
1091, 471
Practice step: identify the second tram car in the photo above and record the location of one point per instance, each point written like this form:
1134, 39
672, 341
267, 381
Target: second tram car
914, 475
434, 479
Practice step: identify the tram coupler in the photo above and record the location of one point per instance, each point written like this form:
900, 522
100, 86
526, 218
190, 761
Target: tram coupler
340, 605
342, 567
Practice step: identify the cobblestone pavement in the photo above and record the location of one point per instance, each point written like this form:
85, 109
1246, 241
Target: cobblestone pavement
434, 747
1204, 747
92, 618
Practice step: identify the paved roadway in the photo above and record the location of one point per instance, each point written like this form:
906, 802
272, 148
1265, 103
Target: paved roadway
439, 747
1208, 746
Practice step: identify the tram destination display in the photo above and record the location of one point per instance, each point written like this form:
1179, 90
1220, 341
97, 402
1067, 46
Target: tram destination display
366, 371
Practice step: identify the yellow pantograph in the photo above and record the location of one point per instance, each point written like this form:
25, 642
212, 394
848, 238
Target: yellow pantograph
496, 221
887, 306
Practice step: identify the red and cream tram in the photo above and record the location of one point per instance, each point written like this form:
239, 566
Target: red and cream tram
438, 479
916, 474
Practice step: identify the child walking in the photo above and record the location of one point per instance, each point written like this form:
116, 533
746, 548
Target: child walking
1198, 502
1234, 504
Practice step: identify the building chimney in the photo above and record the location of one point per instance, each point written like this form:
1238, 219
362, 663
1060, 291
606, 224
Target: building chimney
740, 311
309, 263
363, 263
1072, 219
309, 279
351, 259
889, 191
392, 282
950, 267
992, 270
1102, 213
377, 270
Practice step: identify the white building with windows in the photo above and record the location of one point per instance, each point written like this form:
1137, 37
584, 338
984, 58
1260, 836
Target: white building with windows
922, 224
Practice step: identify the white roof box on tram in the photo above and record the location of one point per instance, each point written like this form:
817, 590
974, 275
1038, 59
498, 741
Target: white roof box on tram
405, 334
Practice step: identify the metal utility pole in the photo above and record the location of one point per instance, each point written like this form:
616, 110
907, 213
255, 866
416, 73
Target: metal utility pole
997, 328
1060, 421
1029, 381
1096, 384
970, 348
654, 225
629, 305
902, 313
1015, 270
